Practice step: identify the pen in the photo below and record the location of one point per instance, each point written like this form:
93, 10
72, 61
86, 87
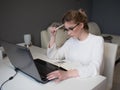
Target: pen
59, 27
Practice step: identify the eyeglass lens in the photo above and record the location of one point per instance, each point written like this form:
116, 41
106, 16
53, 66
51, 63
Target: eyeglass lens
71, 28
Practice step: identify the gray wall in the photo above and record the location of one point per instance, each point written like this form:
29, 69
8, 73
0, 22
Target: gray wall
18, 17
107, 14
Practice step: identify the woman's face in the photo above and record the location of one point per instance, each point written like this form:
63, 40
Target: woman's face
72, 29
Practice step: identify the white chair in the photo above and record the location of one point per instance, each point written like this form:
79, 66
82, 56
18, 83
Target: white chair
110, 52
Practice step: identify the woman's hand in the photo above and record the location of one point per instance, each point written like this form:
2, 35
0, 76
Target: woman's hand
60, 75
52, 31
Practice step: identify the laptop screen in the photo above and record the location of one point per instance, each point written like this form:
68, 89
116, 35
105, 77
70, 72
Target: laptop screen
21, 58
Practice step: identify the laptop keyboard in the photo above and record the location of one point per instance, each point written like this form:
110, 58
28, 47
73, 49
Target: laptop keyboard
45, 67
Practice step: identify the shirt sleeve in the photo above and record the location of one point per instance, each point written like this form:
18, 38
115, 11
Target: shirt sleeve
56, 53
94, 67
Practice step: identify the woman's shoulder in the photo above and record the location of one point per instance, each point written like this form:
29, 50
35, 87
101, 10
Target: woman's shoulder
95, 36
97, 41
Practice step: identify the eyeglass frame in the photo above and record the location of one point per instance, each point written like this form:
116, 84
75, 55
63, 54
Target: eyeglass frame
71, 28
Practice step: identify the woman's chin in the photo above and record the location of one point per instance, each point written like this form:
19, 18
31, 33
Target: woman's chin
74, 37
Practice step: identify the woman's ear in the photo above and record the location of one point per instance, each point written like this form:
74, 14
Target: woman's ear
81, 25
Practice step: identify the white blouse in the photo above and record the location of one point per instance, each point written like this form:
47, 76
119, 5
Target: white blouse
87, 53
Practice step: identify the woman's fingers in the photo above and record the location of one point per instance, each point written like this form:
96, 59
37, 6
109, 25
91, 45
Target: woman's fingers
58, 75
52, 75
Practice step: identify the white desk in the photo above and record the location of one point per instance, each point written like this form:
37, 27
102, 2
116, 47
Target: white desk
24, 82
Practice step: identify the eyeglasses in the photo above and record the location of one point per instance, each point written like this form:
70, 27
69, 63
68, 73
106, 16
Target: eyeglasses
71, 28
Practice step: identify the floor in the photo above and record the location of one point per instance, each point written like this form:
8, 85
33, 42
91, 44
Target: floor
116, 78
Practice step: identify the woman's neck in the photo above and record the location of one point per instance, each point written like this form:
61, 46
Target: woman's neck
83, 35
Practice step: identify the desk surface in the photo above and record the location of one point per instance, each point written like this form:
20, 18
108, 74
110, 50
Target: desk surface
24, 82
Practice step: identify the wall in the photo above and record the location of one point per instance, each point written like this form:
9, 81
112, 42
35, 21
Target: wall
18, 17
107, 14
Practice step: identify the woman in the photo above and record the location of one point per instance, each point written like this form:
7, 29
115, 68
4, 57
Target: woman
82, 47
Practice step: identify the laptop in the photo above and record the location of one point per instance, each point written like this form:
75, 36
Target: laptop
21, 59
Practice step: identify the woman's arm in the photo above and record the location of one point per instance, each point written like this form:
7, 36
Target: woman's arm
52, 31
58, 53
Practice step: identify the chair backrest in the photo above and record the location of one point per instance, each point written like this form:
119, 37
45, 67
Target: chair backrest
94, 28
61, 37
110, 51
44, 37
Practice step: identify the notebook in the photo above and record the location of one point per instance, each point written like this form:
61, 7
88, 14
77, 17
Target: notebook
21, 58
